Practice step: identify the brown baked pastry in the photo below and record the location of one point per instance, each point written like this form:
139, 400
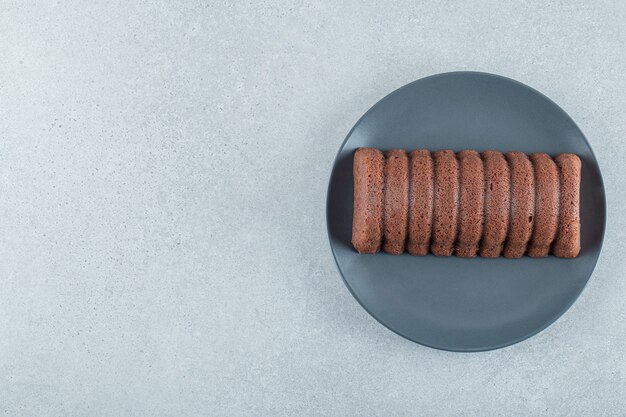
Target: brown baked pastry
522, 204
367, 223
497, 202
396, 209
466, 203
546, 205
567, 244
446, 199
471, 202
420, 202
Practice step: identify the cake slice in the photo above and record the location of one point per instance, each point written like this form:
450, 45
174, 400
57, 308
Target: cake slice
396, 211
522, 204
420, 202
367, 222
496, 208
446, 203
471, 202
546, 205
567, 244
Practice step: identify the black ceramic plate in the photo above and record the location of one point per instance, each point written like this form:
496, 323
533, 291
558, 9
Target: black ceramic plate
454, 303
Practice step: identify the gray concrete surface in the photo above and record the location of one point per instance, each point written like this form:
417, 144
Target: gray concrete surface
163, 170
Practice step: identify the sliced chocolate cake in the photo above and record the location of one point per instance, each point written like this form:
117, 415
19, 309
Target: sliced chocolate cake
522, 204
396, 210
420, 201
446, 198
367, 223
471, 202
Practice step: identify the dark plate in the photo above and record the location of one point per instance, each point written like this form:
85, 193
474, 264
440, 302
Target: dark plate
454, 303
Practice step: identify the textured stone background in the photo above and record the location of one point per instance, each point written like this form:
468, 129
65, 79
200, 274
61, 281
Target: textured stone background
163, 170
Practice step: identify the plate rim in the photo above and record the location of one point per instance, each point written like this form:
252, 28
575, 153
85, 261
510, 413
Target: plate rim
603, 224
